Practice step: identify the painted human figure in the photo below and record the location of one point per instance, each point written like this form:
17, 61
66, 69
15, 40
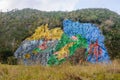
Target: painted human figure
95, 49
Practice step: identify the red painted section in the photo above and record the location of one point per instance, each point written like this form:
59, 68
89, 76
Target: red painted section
95, 49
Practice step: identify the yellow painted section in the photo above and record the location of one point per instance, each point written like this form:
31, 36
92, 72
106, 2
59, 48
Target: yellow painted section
27, 56
44, 32
64, 52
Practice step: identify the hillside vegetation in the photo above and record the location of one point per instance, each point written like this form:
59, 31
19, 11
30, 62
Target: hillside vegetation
16, 25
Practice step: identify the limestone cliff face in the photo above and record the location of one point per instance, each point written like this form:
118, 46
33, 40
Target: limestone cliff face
54, 46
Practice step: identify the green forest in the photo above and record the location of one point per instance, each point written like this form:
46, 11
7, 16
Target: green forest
16, 25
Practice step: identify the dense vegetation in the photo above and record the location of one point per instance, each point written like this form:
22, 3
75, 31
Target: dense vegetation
65, 71
16, 25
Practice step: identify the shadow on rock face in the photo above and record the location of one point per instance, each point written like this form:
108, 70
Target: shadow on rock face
78, 57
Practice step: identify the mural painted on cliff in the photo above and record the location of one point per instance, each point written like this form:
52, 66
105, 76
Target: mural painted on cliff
53, 46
